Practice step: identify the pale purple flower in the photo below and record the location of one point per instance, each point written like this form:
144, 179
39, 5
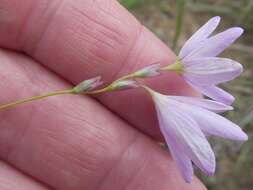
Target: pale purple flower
185, 122
198, 64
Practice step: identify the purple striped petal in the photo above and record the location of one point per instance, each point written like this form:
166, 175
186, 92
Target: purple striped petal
184, 164
214, 45
214, 124
184, 132
211, 70
214, 93
210, 105
199, 37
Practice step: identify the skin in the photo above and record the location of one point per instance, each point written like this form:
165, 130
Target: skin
80, 142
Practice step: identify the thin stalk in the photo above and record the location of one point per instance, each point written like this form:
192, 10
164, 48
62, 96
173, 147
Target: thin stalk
179, 21
246, 11
25, 100
98, 91
74, 90
108, 88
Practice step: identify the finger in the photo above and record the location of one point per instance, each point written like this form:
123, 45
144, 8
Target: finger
72, 142
10, 178
84, 38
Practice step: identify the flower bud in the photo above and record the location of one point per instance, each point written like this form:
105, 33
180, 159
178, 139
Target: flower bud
149, 71
88, 85
123, 84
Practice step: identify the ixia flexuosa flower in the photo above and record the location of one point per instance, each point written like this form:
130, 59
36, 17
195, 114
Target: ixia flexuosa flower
198, 64
185, 122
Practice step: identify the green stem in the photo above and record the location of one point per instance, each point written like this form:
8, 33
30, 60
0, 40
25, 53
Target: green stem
105, 89
131, 75
175, 67
179, 21
22, 101
108, 88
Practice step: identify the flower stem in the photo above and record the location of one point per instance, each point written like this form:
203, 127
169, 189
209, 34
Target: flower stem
105, 89
147, 89
176, 67
181, 4
108, 88
22, 101
131, 75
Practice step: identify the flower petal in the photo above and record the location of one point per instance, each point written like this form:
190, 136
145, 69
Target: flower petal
184, 164
199, 37
214, 92
213, 106
184, 132
214, 124
216, 44
211, 70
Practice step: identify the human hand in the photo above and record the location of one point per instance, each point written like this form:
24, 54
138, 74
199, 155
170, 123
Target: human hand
80, 142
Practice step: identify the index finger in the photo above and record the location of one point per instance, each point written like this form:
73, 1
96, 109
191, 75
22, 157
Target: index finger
79, 39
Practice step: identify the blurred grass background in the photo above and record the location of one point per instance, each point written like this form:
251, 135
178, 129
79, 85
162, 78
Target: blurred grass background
174, 21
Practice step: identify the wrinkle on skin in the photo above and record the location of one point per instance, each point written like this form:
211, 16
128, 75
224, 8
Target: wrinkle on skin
64, 147
67, 50
11, 178
60, 63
